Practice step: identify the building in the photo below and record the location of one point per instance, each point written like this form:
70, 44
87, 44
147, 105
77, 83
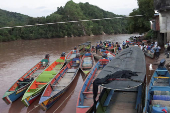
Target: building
161, 21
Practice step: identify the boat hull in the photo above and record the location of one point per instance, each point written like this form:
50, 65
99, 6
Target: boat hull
84, 101
14, 96
158, 92
30, 99
49, 103
21, 85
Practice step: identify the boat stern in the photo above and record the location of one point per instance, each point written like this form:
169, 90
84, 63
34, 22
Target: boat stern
11, 96
43, 103
26, 102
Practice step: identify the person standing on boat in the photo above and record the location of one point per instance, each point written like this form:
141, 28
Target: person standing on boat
148, 47
166, 46
127, 46
157, 49
100, 42
119, 48
123, 44
156, 44
97, 47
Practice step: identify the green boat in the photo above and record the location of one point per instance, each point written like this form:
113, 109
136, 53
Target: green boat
39, 84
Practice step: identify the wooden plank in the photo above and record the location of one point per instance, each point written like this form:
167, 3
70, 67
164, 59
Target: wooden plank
162, 77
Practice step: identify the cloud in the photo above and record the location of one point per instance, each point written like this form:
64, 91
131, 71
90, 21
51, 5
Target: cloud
38, 8
42, 7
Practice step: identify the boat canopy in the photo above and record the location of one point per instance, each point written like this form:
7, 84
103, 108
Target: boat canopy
130, 61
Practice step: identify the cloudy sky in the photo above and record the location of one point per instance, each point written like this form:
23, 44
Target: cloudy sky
38, 8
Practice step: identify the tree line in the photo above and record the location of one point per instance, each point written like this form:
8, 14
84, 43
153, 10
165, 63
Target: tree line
70, 12
76, 12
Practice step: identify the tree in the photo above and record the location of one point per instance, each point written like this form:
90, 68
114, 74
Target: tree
141, 24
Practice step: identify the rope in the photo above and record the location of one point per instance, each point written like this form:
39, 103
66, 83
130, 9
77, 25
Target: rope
63, 102
55, 109
33, 108
69, 22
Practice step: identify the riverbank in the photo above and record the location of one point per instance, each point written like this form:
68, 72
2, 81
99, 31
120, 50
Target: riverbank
163, 56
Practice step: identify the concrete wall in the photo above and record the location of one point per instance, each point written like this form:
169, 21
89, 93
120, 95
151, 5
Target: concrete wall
164, 20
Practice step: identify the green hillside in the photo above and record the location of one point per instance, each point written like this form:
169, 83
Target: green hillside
70, 12
12, 19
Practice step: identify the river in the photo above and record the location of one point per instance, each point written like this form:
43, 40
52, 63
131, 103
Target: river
17, 57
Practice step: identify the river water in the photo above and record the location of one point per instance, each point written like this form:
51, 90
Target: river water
17, 57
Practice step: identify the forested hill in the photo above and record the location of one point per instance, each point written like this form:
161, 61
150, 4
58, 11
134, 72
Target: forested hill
70, 12
12, 19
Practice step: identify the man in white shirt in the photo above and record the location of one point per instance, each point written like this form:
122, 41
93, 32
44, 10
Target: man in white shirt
156, 43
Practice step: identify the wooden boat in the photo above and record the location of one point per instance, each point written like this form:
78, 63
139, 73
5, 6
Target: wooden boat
72, 54
85, 99
20, 86
105, 53
84, 47
125, 75
149, 53
87, 63
158, 96
59, 84
39, 84
109, 54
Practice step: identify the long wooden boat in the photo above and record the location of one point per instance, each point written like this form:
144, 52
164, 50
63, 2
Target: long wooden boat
85, 98
109, 54
149, 53
102, 52
84, 47
39, 84
125, 75
87, 63
20, 86
59, 84
72, 54
158, 96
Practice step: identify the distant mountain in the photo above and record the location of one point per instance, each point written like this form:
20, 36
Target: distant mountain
70, 12
12, 19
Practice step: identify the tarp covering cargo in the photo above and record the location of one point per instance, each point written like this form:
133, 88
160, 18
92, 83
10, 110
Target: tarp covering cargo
131, 59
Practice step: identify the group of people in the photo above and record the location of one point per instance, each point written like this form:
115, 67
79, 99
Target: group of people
153, 48
114, 46
150, 47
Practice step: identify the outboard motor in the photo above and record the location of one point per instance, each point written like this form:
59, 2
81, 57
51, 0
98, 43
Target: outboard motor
47, 56
45, 61
162, 63
63, 54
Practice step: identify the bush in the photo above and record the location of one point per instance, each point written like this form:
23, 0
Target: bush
150, 34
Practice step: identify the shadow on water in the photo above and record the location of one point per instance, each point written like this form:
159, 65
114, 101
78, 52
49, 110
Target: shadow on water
17, 57
61, 103
16, 104
33, 108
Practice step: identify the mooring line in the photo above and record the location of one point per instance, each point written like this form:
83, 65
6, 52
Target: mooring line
33, 108
63, 102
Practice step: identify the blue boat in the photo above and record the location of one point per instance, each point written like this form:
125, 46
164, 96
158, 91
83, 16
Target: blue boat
21, 85
158, 96
85, 100
123, 80
59, 84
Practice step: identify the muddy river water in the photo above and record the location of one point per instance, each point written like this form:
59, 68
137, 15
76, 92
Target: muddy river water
17, 57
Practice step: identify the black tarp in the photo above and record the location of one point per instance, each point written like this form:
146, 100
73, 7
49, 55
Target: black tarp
131, 59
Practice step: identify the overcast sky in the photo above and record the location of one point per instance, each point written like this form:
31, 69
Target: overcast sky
39, 8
